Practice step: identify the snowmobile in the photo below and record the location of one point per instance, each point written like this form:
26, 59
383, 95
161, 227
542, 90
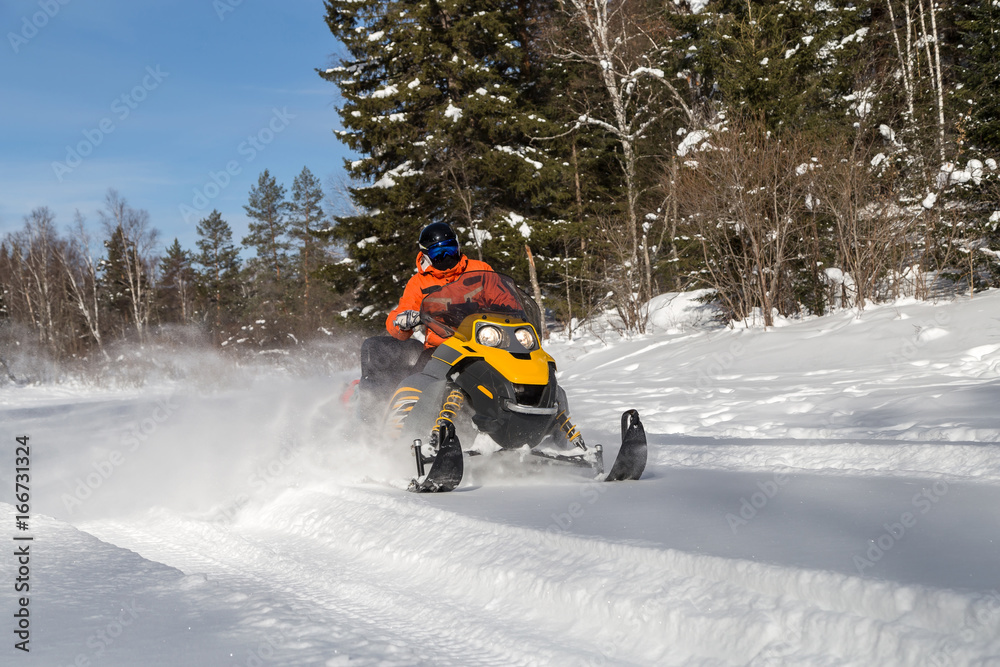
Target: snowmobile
491, 376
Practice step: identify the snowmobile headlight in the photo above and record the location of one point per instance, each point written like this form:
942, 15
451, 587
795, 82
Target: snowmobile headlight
489, 336
525, 338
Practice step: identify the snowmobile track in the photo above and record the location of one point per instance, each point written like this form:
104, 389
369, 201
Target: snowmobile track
435, 587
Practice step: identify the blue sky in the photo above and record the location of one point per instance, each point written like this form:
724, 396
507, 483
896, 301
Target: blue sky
160, 97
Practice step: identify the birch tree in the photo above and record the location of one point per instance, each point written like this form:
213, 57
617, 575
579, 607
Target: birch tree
918, 52
35, 251
616, 40
80, 271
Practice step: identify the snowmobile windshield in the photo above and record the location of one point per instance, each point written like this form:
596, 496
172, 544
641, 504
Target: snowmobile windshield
444, 308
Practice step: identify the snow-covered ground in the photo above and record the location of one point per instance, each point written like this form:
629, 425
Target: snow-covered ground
826, 492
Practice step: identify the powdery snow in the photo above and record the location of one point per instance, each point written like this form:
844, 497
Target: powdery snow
691, 141
388, 91
453, 112
511, 151
825, 492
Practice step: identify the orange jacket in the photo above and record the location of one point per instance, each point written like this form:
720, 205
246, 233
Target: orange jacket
413, 294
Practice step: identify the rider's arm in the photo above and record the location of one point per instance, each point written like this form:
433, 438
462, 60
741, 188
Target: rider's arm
411, 299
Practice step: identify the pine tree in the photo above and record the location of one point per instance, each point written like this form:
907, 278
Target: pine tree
584, 194
115, 281
794, 63
978, 106
267, 209
305, 216
439, 102
979, 72
131, 261
220, 266
176, 285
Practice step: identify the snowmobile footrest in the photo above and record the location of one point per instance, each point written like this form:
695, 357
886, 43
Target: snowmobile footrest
574, 459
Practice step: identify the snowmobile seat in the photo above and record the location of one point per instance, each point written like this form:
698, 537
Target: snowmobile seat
385, 362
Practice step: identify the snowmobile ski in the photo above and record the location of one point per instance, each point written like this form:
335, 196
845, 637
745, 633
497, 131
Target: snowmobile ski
446, 466
631, 459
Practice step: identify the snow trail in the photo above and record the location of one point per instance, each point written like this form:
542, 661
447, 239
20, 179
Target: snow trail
462, 590
824, 493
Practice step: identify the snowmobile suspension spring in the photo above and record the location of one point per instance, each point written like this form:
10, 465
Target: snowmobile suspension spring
452, 404
571, 431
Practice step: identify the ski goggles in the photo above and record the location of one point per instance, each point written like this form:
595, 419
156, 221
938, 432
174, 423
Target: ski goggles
442, 250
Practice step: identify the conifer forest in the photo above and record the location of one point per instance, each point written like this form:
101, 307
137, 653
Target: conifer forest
792, 157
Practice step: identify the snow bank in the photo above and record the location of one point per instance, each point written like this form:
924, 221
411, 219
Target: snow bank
914, 371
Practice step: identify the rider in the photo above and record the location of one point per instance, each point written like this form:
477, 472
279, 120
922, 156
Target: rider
386, 361
440, 261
